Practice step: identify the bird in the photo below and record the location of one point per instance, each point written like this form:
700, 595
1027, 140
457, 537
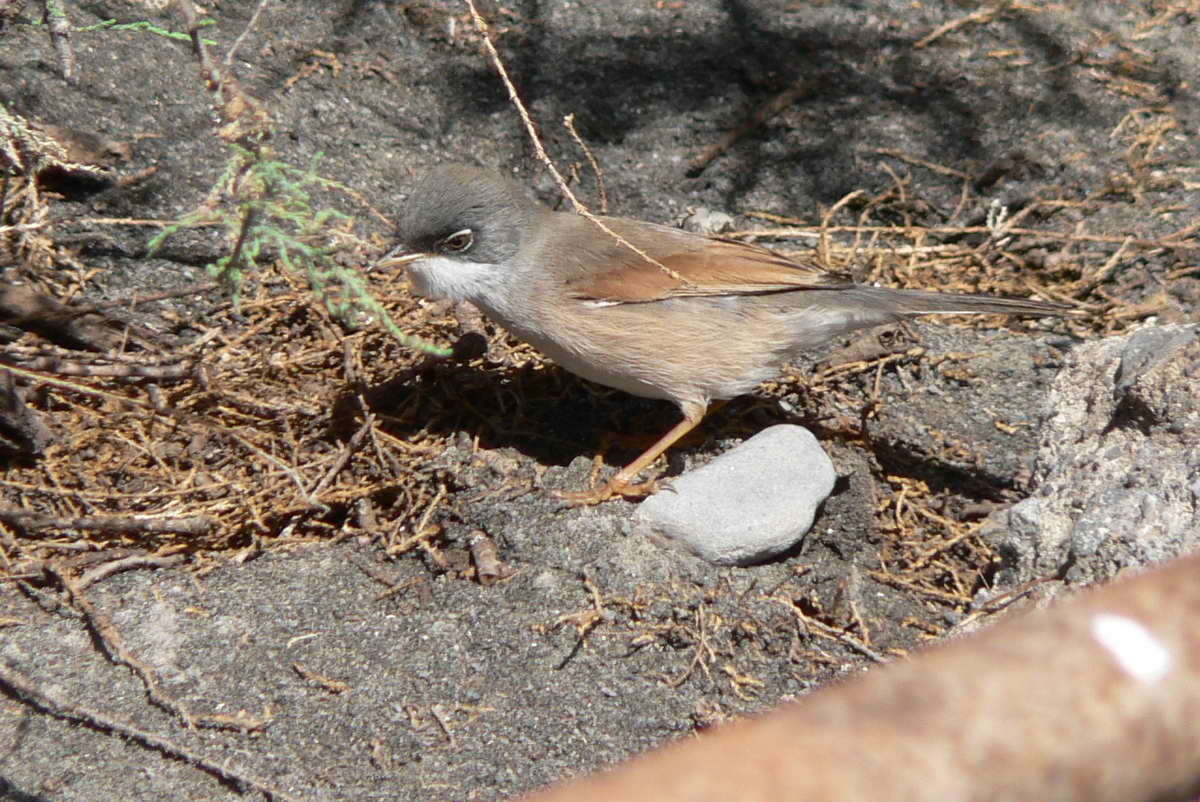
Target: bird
655, 311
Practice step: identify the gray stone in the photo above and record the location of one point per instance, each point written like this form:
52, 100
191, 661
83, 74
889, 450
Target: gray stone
748, 505
1145, 349
1118, 465
707, 221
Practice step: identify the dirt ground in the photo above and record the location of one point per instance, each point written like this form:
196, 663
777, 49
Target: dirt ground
247, 546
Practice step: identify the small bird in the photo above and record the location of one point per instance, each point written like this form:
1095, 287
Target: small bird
701, 319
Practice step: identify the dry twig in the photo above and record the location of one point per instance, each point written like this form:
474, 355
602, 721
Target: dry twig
23, 689
114, 645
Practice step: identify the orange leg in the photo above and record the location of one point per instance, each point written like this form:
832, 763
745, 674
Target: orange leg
620, 485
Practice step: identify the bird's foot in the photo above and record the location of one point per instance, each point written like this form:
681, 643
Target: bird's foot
609, 490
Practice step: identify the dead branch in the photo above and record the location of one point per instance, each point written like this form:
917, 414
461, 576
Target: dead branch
832, 633
184, 525
977, 17
130, 563
334, 686
760, 116
23, 689
114, 645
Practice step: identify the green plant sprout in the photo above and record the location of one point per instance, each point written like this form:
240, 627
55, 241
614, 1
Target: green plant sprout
144, 25
267, 210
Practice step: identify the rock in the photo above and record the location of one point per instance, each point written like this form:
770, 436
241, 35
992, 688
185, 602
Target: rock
967, 412
1118, 465
707, 221
748, 505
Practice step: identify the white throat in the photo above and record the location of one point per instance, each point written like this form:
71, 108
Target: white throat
456, 279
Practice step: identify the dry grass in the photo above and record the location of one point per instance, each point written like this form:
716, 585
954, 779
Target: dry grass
269, 433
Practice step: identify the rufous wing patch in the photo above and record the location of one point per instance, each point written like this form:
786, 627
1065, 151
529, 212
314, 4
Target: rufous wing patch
720, 267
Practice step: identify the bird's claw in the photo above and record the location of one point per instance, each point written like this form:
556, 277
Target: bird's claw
611, 489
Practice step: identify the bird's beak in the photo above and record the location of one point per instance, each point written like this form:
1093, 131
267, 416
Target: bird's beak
397, 257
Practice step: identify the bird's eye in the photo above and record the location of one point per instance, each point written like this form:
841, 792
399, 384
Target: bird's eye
458, 241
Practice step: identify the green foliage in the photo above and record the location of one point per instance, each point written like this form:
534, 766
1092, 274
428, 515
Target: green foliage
56, 11
113, 25
267, 211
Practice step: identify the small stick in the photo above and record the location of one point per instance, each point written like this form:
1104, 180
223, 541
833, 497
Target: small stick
982, 16
937, 168
137, 300
114, 646
251, 25
67, 367
183, 525
482, 26
489, 568
569, 122
826, 631
443, 720
55, 18
22, 688
765, 112
128, 564
343, 458
332, 685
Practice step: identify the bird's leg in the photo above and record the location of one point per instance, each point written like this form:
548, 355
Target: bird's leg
620, 485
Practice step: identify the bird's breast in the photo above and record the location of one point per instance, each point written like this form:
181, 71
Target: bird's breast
684, 350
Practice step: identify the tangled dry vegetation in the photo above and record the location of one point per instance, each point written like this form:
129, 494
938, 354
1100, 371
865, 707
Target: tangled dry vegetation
272, 426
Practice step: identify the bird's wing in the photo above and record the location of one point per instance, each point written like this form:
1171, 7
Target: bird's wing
702, 267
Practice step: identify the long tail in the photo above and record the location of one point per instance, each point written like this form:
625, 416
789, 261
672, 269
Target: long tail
831, 313
920, 302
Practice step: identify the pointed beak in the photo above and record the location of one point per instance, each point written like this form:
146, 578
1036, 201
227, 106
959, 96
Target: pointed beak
397, 257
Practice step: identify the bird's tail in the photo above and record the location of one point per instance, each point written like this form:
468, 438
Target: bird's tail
906, 303
848, 309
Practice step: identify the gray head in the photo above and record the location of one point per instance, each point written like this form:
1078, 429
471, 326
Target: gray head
460, 228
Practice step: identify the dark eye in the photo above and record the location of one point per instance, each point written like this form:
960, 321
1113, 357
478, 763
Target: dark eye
458, 241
